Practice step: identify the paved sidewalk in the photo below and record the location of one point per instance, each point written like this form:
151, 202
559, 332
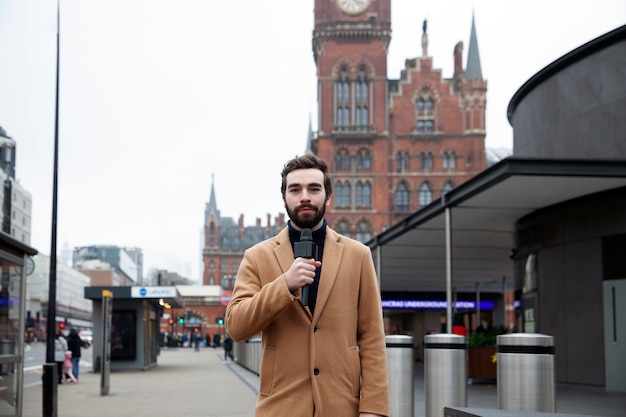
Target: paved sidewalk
200, 384
184, 383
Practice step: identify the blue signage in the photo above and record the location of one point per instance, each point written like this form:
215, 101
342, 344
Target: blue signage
434, 305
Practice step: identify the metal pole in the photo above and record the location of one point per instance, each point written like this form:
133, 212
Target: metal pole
504, 301
477, 305
49, 395
448, 270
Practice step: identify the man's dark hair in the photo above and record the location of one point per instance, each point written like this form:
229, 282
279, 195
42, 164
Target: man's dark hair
303, 162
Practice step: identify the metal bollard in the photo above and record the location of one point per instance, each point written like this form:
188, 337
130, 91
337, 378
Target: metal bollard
526, 379
445, 373
400, 375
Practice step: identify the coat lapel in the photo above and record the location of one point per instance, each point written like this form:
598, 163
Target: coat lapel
331, 260
283, 250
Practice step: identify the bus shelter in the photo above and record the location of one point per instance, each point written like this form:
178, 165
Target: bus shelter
135, 323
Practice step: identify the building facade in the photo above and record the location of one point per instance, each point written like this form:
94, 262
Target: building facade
16, 201
393, 145
225, 241
109, 265
72, 308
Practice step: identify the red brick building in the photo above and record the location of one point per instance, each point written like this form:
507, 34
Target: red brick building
225, 241
393, 145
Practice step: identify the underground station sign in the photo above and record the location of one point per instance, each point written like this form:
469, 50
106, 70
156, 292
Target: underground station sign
225, 298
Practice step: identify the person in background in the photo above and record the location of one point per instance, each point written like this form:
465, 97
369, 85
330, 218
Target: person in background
75, 345
483, 327
60, 347
228, 348
67, 374
326, 358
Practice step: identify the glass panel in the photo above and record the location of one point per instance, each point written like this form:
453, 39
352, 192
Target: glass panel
9, 335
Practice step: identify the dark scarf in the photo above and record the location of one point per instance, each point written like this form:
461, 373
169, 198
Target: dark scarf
318, 238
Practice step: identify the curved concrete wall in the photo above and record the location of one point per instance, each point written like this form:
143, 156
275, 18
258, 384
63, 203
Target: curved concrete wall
576, 107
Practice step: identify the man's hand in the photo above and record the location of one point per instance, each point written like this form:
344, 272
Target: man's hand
301, 273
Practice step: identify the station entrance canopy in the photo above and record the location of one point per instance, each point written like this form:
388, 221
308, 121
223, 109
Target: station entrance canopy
412, 255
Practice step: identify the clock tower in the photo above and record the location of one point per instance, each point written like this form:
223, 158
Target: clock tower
392, 145
350, 41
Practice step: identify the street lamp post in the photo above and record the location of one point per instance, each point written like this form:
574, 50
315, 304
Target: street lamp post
49, 395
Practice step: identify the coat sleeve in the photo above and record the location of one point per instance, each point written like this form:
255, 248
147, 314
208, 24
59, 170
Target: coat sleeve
371, 341
259, 295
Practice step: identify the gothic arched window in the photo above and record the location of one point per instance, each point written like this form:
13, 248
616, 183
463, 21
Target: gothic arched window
363, 194
425, 195
402, 197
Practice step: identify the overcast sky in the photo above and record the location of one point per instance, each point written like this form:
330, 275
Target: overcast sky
160, 98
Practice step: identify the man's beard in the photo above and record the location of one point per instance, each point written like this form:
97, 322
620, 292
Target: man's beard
308, 219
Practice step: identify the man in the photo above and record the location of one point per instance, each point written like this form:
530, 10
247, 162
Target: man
327, 358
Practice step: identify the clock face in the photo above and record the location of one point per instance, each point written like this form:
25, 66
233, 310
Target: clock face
353, 6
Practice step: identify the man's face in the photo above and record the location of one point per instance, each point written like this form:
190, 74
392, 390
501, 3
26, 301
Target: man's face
305, 198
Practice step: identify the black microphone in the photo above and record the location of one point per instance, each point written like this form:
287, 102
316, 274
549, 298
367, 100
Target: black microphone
305, 248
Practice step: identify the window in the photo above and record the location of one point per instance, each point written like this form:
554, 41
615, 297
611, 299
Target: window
447, 187
343, 100
362, 114
449, 161
363, 232
402, 197
425, 195
424, 106
343, 228
363, 160
361, 118
402, 161
342, 194
363, 194
211, 265
342, 161
425, 114
426, 160
361, 87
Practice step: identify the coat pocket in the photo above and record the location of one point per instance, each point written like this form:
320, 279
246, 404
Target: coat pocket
267, 369
355, 370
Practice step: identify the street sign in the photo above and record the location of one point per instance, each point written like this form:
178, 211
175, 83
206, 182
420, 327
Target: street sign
225, 298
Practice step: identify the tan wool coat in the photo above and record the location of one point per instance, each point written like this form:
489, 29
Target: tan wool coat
329, 364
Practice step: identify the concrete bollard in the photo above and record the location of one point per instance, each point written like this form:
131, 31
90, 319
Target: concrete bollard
526, 379
445, 373
400, 375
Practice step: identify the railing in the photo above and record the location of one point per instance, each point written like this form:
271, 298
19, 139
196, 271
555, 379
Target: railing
248, 354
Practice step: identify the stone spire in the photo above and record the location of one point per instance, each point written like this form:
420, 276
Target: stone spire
424, 39
473, 70
211, 206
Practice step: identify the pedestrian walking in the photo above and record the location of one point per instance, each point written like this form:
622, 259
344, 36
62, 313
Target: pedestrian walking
75, 345
60, 347
67, 374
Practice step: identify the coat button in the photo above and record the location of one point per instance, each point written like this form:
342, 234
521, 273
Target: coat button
316, 371
314, 329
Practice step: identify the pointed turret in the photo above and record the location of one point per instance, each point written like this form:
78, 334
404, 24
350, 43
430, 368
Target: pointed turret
473, 71
211, 206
